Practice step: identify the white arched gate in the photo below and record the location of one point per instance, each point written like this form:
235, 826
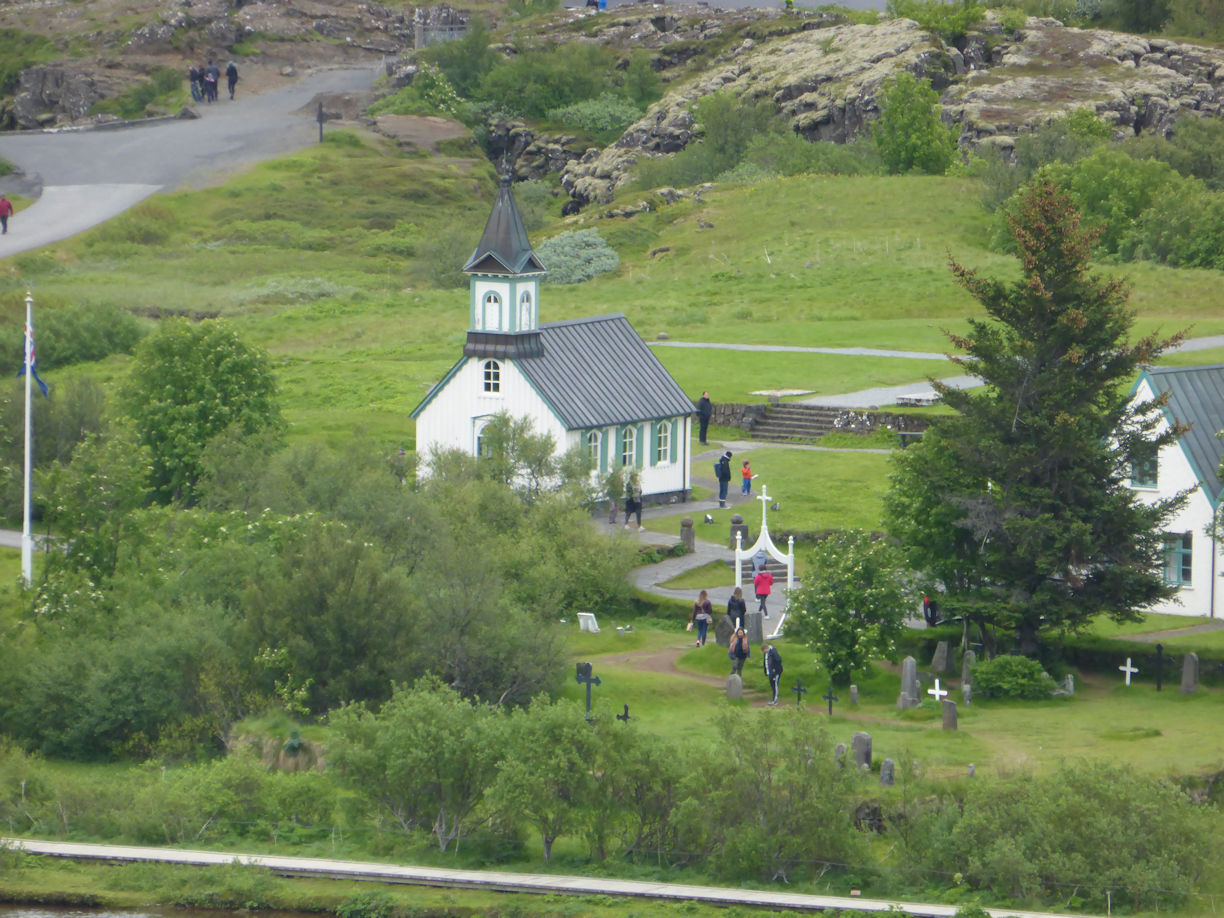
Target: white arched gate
765, 542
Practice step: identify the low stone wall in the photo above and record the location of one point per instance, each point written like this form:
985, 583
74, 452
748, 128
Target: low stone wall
745, 417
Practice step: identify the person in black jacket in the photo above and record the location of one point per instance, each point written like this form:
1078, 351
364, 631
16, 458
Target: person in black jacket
737, 609
724, 477
704, 410
773, 670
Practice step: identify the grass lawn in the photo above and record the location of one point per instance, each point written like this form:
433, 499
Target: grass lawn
700, 578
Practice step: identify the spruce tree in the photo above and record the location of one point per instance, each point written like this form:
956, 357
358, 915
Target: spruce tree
1019, 503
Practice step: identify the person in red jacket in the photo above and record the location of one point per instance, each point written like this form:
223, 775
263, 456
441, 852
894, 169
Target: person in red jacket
762, 583
6, 211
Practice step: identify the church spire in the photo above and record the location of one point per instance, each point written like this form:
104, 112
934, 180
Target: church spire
504, 247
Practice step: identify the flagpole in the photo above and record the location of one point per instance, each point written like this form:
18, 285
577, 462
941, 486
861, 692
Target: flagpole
27, 543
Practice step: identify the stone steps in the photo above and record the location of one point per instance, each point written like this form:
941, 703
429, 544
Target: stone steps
795, 422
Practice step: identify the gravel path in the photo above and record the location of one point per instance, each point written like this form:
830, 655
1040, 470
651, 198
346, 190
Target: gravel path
85, 177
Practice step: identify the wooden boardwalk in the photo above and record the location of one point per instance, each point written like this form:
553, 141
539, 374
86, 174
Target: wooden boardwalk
499, 881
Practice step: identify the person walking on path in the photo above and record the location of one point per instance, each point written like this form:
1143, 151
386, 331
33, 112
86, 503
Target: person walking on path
6, 211
193, 79
737, 609
722, 471
703, 614
773, 670
739, 652
704, 411
747, 476
231, 77
212, 75
762, 583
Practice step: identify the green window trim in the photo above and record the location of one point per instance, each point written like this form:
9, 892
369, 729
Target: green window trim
675, 436
1178, 567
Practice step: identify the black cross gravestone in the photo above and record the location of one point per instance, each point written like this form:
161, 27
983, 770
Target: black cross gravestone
584, 677
1159, 665
320, 118
799, 691
830, 698
625, 716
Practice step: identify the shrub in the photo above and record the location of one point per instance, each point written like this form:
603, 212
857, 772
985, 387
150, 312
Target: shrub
909, 133
949, 21
1011, 677
536, 82
572, 258
790, 154
134, 102
429, 93
604, 118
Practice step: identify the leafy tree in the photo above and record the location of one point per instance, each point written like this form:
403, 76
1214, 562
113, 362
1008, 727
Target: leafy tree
577, 256
426, 758
1063, 140
1196, 19
189, 383
852, 607
1136, 15
465, 60
93, 500
546, 776
535, 82
1044, 448
784, 809
948, 20
909, 133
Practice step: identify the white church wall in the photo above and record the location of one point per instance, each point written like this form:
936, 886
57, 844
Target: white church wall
452, 420
1204, 594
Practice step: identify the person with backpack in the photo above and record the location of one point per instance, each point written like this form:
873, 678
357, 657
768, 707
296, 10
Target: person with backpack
231, 77
737, 609
739, 652
773, 670
722, 471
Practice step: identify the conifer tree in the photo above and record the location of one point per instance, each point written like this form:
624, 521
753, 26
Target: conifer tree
1019, 503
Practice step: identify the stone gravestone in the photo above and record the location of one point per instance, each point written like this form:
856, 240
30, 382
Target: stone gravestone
738, 525
967, 667
949, 714
1069, 684
723, 629
939, 662
886, 773
735, 687
909, 684
754, 625
860, 750
966, 693
1190, 673
854, 694
839, 755
687, 539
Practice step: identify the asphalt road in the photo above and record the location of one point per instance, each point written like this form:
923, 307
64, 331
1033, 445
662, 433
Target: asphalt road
87, 177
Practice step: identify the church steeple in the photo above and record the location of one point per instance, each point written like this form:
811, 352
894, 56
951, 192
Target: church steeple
504, 282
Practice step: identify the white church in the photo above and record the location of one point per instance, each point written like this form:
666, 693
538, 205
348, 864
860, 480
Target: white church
1193, 561
591, 382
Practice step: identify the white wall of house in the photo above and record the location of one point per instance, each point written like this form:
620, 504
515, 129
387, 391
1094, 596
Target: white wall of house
455, 416
1203, 595
657, 473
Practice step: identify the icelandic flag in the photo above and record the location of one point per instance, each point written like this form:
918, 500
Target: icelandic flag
31, 360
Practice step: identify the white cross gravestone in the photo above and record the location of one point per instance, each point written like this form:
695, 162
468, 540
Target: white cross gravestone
937, 692
586, 622
1129, 670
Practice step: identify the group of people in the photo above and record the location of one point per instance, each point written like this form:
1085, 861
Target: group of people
738, 651
206, 80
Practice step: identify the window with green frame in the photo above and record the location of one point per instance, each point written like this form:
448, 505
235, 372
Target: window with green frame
1178, 558
1143, 472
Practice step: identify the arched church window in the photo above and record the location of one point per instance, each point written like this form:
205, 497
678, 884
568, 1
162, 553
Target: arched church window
492, 312
593, 446
628, 446
492, 376
525, 310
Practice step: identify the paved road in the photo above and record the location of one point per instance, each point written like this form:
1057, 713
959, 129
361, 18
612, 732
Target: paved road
87, 177
501, 881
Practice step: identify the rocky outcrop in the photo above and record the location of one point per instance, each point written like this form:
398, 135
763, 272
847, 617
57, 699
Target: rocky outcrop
529, 153
49, 94
994, 86
1140, 85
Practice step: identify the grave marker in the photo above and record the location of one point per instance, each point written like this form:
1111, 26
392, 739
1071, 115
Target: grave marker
625, 716
799, 691
1159, 666
887, 778
839, 755
1190, 674
949, 714
860, 750
735, 687
587, 622
939, 660
967, 662
830, 698
1129, 670
755, 627
854, 694
584, 677
937, 692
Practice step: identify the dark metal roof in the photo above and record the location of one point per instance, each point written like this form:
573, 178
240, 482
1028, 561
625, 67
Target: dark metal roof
596, 372
504, 247
1196, 398
503, 345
